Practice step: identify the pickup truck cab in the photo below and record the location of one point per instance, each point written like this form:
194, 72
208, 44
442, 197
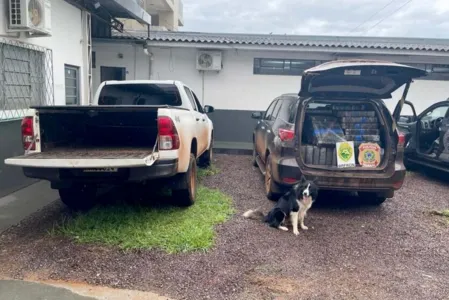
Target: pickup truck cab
134, 132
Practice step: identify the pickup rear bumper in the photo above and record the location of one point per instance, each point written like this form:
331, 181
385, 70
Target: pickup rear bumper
62, 176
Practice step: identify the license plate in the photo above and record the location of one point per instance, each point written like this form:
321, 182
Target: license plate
101, 170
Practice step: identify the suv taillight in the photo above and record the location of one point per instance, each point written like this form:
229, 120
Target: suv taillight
28, 134
286, 135
401, 139
168, 135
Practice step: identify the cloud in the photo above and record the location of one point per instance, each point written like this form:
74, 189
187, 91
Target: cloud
419, 18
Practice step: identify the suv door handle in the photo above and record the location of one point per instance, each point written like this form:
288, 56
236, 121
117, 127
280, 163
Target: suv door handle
197, 119
204, 120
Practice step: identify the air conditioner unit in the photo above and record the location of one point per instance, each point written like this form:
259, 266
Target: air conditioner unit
32, 16
208, 60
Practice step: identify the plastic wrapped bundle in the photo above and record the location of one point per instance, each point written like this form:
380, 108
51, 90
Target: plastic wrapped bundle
363, 138
351, 107
321, 156
359, 120
364, 126
355, 113
323, 130
362, 131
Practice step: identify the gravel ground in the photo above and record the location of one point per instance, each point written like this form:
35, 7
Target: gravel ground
396, 251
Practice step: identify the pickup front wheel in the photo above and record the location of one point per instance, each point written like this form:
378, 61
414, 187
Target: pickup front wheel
185, 192
78, 197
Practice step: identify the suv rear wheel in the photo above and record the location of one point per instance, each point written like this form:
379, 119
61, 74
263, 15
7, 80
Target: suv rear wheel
371, 198
270, 185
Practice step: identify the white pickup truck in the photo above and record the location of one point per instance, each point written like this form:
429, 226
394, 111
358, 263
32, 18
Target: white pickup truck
136, 131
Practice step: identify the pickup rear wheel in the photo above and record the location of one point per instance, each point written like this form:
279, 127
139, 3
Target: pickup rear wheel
78, 197
205, 160
185, 192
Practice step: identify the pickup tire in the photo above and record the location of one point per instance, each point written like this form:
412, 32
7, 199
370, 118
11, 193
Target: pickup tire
78, 197
205, 160
185, 192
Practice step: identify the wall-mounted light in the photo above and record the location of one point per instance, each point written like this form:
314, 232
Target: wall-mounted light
120, 55
97, 5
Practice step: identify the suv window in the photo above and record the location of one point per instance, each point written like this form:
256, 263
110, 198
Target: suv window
269, 111
276, 110
192, 100
287, 113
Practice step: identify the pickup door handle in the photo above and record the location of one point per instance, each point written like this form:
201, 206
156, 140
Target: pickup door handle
204, 120
197, 119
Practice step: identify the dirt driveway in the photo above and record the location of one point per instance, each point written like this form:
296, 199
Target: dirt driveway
397, 251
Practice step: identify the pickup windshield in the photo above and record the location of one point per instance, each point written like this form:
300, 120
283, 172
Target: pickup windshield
139, 94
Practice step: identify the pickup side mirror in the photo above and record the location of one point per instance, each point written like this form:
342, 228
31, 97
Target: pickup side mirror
256, 115
208, 109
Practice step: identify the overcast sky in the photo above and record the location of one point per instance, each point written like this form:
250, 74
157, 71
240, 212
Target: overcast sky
418, 18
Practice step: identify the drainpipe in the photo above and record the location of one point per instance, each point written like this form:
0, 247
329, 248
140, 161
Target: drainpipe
146, 50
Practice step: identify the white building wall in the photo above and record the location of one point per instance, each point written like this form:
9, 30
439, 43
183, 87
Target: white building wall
235, 87
66, 42
133, 59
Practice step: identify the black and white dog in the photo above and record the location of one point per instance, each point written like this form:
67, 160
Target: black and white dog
292, 207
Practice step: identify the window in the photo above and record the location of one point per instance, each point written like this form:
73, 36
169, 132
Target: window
287, 113
439, 112
26, 78
139, 94
276, 110
192, 100
269, 112
72, 96
94, 59
198, 104
275, 66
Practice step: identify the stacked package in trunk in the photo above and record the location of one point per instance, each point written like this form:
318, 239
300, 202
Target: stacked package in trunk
324, 128
359, 123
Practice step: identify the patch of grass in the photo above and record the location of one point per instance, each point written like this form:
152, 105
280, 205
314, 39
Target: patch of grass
212, 170
171, 229
443, 213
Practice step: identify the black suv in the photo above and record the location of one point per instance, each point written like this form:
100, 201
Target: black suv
338, 131
273, 141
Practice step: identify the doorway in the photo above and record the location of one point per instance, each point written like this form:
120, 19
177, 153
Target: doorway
112, 73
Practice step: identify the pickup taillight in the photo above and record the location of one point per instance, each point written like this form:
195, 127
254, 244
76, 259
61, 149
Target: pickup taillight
168, 135
28, 134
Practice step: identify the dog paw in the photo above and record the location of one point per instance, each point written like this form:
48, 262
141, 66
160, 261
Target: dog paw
283, 228
304, 227
296, 232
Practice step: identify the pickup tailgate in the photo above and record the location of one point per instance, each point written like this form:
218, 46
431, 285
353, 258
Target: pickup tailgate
91, 137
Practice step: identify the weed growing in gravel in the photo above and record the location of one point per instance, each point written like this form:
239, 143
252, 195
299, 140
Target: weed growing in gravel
171, 229
212, 170
443, 213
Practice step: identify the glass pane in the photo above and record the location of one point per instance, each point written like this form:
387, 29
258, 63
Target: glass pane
70, 91
70, 82
70, 73
71, 100
273, 63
